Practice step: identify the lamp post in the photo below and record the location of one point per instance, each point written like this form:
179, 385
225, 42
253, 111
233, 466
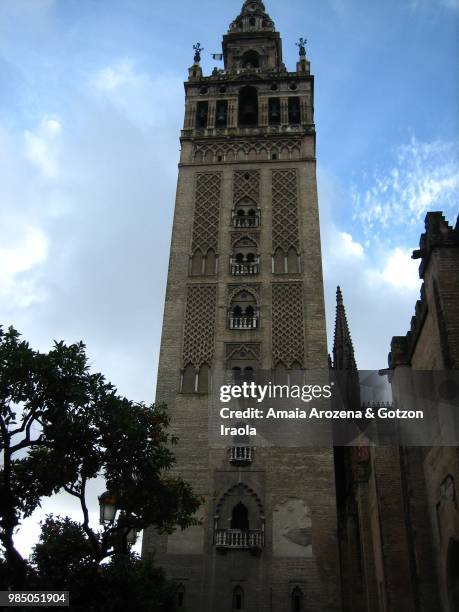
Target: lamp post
107, 504
108, 510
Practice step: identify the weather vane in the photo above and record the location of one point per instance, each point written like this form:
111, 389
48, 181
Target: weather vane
302, 45
198, 50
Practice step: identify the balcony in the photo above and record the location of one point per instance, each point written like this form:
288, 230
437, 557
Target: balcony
243, 322
241, 454
237, 539
244, 268
240, 219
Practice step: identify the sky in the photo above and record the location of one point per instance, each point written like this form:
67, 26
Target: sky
91, 105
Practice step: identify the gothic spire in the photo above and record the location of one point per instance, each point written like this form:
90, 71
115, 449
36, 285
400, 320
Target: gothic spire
343, 349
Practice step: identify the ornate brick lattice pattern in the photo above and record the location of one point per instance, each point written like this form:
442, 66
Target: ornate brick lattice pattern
207, 212
242, 150
288, 324
198, 342
285, 209
246, 184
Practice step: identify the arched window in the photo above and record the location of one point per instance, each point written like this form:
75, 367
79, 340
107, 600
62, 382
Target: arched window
248, 106
246, 214
202, 113
274, 112
240, 517
250, 311
239, 258
294, 113
297, 600
181, 597
196, 263
279, 261
251, 59
221, 118
252, 22
203, 379
248, 373
292, 261
238, 599
250, 257
237, 373
252, 218
189, 380
211, 263
243, 312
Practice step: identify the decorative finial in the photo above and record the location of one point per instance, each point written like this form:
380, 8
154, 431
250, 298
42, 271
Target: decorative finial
302, 46
198, 50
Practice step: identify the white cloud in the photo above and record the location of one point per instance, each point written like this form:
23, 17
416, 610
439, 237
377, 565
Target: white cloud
41, 146
399, 271
27, 252
145, 100
115, 76
425, 176
349, 246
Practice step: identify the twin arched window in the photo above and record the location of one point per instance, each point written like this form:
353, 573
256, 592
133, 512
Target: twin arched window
204, 265
243, 311
286, 263
195, 381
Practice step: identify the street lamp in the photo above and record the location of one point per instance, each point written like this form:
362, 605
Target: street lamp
107, 503
127, 535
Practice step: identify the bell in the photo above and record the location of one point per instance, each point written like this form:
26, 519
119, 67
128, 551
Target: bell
221, 115
275, 113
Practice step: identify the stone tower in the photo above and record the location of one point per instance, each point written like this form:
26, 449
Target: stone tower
245, 293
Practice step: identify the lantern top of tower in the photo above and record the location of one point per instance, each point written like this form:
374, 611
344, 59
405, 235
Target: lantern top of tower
253, 17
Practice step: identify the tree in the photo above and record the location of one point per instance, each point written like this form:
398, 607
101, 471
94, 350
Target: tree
60, 427
62, 559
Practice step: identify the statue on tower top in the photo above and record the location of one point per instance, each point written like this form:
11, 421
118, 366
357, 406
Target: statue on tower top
197, 52
302, 46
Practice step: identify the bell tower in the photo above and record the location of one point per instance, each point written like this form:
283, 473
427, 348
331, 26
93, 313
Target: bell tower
245, 293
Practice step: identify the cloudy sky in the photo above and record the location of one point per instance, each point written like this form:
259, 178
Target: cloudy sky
91, 104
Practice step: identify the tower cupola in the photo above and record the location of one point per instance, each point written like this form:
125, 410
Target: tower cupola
252, 42
253, 17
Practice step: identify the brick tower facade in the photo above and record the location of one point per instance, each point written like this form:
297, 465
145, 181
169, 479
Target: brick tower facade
244, 293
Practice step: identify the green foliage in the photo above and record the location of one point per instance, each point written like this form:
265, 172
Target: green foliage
63, 561
61, 426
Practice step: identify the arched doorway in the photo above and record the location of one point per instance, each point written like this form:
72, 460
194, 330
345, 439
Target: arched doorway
240, 517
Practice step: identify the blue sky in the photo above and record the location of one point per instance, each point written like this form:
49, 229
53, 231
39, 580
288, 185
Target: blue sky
91, 104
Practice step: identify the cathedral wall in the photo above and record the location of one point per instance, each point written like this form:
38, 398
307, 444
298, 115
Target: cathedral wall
432, 473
